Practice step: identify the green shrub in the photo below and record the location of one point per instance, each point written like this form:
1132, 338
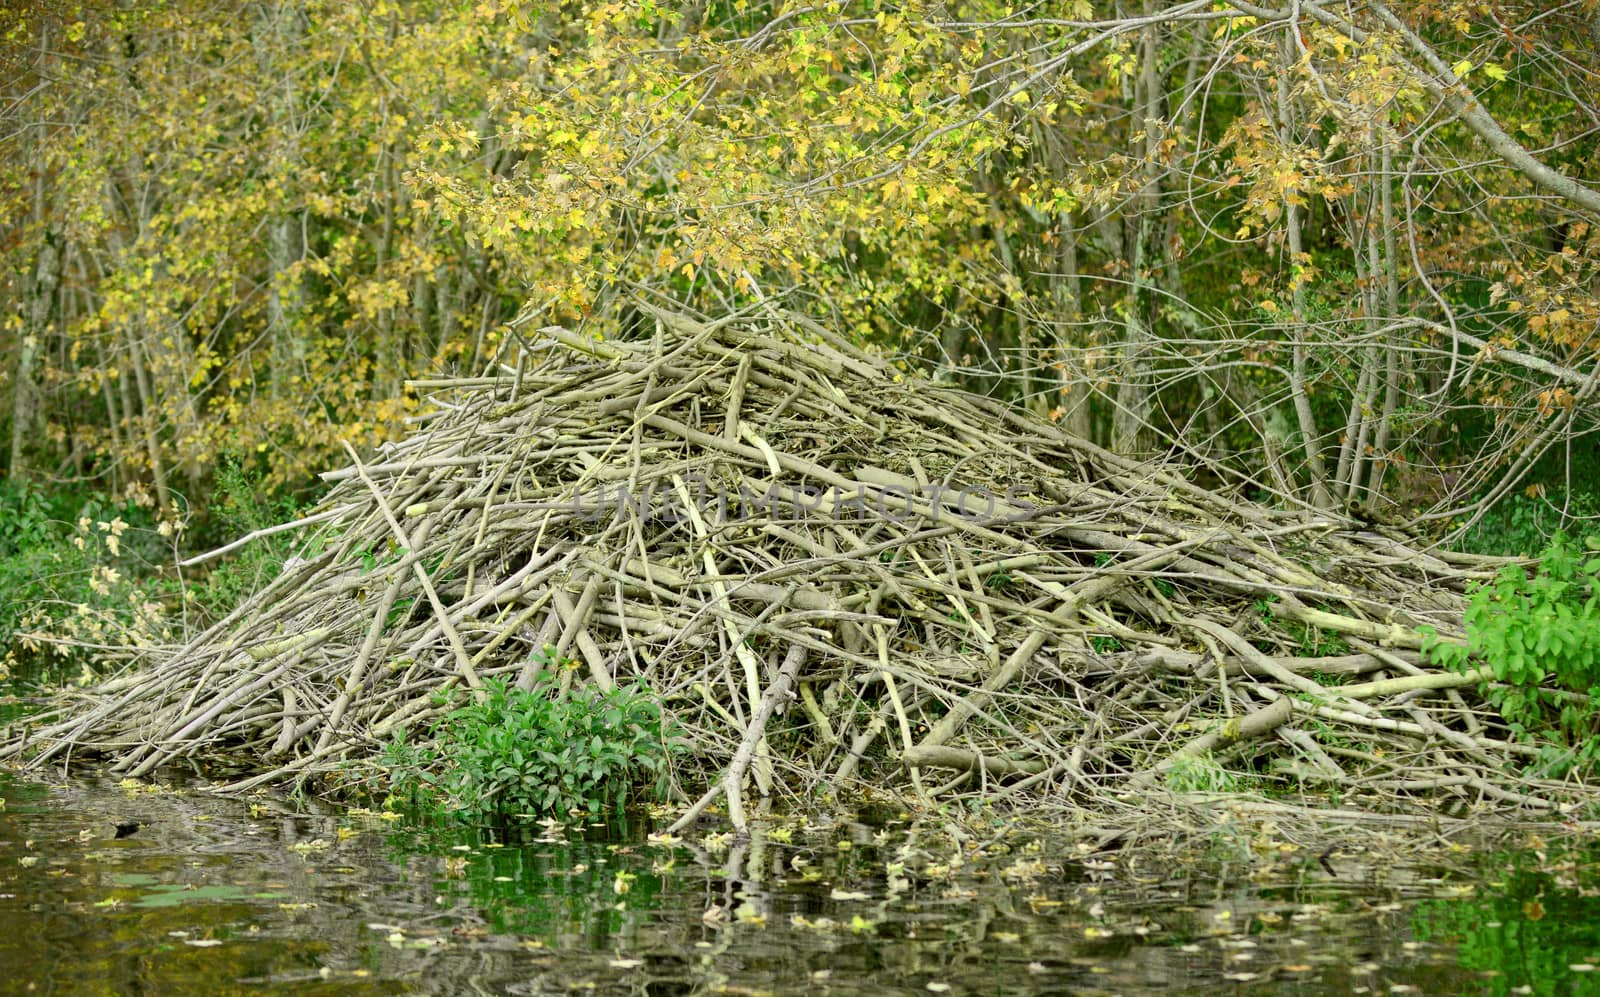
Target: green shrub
74, 570
1539, 636
535, 752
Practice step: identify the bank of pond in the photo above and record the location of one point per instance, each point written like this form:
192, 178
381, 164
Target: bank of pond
141, 887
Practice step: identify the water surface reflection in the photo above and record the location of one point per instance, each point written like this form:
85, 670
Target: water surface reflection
215, 896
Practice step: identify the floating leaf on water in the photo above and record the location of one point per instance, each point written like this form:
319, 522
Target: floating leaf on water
747, 914
818, 924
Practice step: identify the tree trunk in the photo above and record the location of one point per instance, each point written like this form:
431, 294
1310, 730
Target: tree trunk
25, 401
1300, 396
38, 309
1130, 424
278, 34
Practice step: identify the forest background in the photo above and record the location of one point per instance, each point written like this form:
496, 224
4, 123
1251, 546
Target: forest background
1345, 256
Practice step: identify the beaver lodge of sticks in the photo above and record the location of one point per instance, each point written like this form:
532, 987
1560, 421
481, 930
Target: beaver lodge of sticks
836, 577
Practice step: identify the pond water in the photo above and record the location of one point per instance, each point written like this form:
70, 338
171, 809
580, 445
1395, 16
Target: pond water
211, 896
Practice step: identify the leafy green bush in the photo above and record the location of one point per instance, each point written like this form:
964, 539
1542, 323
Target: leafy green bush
74, 571
1530, 629
535, 752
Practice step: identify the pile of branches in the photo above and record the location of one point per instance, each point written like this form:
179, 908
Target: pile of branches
835, 576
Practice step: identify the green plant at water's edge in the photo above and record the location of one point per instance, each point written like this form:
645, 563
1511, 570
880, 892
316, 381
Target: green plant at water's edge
74, 570
536, 751
1530, 630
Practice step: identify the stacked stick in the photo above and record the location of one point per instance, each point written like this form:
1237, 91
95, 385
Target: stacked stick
834, 575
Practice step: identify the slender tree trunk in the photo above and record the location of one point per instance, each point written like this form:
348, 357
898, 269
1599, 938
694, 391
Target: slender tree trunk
1067, 290
1393, 356
25, 396
1130, 424
1300, 389
41, 293
278, 35
149, 418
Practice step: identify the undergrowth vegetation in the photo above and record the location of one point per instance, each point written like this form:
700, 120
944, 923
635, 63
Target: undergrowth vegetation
1201, 774
240, 506
77, 577
87, 579
548, 750
1538, 635
1521, 524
